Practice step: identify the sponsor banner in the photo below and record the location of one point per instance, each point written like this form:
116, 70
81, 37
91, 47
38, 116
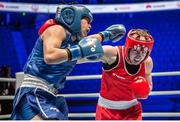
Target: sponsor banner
178, 4
156, 6
24, 7
111, 8
52, 8
1, 5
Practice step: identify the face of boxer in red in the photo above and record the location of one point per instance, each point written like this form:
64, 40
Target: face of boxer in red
138, 46
137, 54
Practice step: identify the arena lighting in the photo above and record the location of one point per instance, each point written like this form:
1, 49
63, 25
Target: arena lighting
23, 13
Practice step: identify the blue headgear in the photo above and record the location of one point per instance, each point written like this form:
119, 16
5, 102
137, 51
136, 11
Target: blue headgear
70, 17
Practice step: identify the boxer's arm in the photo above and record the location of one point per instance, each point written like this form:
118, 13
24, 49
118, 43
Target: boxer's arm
141, 87
114, 33
97, 36
110, 54
52, 38
149, 67
109, 57
86, 48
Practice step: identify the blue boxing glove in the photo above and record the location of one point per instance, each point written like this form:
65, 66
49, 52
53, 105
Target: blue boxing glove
86, 48
114, 32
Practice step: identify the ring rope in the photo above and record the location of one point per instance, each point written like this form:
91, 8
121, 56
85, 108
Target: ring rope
87, 77
166, 73
97, 94
7, 79
147, 114
86, 95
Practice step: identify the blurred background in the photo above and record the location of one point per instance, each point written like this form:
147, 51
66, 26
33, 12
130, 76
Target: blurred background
21, 19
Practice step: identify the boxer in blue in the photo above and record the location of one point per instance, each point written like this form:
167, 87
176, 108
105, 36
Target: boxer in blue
62, 42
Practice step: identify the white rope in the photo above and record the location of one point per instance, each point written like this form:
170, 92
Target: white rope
86, 95
81, 114
165, 93
6, 97
162, 114
80, 95
7, 80
174, 73
84, 77
148, 114
5, 116
97, 94
88, 77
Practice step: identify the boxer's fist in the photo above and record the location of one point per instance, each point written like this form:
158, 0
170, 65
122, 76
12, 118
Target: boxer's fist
114, 32
140, 87
86, 48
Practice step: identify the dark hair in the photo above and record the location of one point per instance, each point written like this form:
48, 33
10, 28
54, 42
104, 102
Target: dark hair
141, 33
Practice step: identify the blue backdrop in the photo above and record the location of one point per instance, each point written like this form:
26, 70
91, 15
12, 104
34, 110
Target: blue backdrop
18, 34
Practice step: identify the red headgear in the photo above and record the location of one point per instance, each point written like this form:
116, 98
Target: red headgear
131, 43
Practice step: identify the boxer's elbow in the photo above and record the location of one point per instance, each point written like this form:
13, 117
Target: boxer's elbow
48, 59
55, 58
49, 56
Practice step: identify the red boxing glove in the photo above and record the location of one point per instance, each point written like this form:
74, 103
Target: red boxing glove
140, 87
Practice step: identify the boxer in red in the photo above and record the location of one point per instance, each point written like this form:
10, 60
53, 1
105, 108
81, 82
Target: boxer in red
126, 77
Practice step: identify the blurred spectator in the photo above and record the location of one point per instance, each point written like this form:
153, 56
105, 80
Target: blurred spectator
7, 88
5, 71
